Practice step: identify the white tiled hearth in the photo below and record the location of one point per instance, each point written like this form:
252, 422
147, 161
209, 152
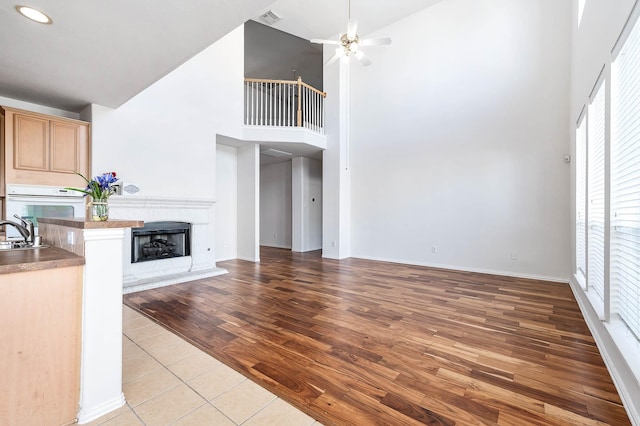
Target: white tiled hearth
157, 273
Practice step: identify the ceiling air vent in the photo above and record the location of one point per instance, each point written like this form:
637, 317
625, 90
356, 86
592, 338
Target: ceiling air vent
270, 17
276, 153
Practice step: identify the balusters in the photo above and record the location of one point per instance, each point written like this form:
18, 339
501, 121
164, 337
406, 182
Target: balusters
281, 103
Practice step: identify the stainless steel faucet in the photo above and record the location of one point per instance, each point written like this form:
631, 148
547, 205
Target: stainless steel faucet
26, 230
28, 224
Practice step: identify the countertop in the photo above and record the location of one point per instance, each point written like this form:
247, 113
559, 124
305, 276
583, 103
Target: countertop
87, 224
12, 261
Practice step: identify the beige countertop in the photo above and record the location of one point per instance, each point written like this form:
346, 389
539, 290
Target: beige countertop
87, 224
12, 261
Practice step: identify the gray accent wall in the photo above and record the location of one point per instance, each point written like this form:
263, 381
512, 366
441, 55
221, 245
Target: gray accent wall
274, 54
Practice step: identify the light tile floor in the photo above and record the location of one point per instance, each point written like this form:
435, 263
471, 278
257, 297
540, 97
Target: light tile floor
167, 381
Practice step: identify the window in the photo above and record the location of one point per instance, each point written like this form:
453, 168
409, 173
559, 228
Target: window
580, 10
625, 183
596, 194
581, 202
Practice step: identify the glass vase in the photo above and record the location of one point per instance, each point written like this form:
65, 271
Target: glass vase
99, 210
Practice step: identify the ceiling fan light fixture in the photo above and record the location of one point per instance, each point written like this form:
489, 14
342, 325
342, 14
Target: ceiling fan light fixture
34, 14
349, 43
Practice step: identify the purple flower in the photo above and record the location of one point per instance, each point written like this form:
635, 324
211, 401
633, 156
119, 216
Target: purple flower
100, 187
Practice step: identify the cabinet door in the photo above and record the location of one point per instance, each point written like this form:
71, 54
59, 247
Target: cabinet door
40, 313
30, 143
64, 147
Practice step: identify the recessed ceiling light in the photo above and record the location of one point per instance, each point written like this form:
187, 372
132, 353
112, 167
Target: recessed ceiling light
33, 14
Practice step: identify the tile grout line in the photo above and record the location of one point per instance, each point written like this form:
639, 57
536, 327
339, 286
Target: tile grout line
207, 402
198, 375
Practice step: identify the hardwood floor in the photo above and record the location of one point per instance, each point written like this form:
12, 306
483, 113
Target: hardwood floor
364, 342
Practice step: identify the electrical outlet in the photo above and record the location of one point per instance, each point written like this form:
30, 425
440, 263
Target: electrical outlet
275, 235
514, 255
70, 238
333, 243
434, 249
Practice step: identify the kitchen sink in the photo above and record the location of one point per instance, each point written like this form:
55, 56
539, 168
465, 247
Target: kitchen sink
18, 245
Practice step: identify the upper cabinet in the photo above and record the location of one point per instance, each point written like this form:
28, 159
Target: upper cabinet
30, 142
44, 150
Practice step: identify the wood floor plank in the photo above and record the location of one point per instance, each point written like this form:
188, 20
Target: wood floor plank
364, 342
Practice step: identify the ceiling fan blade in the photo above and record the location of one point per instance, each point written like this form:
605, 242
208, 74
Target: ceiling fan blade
352, 28
363, 58
321, 41
375, 41
339, 53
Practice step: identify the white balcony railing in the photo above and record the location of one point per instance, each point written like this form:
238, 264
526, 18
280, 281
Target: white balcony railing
283, 103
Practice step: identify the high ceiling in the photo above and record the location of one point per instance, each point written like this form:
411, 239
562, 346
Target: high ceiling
106, 52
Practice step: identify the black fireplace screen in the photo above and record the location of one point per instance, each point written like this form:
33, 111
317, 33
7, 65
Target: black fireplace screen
160, 240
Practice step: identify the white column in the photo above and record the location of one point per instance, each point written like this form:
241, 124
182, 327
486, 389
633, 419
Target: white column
298, 172
101, 367
249, 203
336, 173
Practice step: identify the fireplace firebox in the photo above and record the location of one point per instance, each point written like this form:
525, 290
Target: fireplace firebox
160, 240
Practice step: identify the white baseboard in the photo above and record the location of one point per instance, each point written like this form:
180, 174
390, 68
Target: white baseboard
225, 258
288, 247
564, 280
86, 416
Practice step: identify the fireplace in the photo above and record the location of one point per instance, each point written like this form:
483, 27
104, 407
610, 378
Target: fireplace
160, 240
200, 263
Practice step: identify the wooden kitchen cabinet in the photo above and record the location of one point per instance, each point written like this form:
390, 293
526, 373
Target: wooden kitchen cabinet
31, 143
40, 313
41, 149
2, 167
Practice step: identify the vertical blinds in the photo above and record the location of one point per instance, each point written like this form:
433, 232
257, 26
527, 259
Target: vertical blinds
595, 189
581, 200
625, 183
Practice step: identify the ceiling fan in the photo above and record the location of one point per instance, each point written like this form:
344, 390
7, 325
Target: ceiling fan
350, 43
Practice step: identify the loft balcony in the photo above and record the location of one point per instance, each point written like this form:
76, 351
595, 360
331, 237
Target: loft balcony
284, 111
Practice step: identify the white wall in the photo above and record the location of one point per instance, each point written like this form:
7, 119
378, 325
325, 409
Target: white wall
164, 139
307, 204
226, 202
313, 206
458, 132
275, 205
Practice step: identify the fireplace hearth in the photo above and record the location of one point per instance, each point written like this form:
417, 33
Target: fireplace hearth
160, 240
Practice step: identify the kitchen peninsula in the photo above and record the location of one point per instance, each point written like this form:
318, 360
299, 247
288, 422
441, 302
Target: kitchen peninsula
101, 245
